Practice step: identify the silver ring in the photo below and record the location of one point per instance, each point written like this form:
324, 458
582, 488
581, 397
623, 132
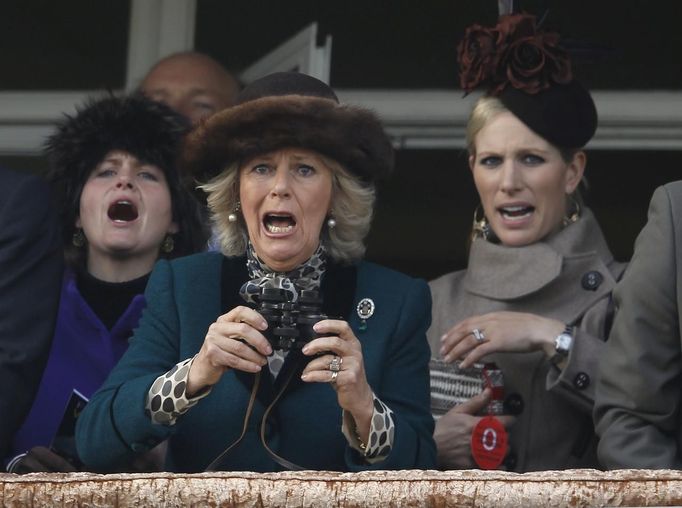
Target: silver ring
335, 364
335, 374
478, 335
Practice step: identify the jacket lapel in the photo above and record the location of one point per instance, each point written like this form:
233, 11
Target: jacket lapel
338, 290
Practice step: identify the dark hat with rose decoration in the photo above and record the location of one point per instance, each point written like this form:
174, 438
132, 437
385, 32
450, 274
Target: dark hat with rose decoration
531, 74
287, 110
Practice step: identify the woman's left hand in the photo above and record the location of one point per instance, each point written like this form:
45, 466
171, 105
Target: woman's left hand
41, 459
503, 331
350, 382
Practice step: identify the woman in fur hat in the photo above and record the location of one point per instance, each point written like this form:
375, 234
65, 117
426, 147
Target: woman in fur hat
113, 167
338, 385
536, 296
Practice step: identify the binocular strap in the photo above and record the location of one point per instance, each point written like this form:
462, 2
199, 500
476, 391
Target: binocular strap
247, 416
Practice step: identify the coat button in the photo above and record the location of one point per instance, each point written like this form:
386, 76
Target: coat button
139, 447
513, 404
592, 280
581, 381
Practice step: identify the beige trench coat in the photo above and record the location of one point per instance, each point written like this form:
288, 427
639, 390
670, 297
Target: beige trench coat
638, 408
568, 277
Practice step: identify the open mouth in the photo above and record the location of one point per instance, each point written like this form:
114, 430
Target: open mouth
516, 212
279, 223
122, 211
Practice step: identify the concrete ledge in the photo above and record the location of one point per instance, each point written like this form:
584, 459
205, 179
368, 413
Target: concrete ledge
321, 489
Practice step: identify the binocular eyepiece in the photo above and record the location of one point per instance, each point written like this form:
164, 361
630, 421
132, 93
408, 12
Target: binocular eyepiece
290, 324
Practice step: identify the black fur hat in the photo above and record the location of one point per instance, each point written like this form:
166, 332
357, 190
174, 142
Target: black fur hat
150, 131
289, 109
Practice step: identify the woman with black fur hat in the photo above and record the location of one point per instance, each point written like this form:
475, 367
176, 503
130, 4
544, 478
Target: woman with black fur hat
113, 167
536, 296
336, 377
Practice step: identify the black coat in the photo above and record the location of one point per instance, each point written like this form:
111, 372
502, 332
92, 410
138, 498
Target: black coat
30, 277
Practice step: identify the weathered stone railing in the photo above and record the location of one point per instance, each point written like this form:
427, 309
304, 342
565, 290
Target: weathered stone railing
312, 488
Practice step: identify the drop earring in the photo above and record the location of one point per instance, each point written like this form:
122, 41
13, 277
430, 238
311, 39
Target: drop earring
233, 216
573, 214
480, 228
168, 244
78, 238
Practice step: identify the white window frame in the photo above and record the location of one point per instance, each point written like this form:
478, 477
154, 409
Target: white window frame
416, 119
158, 28
299, 53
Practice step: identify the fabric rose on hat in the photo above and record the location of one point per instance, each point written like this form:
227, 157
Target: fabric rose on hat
533, 63
477, 54
512, 53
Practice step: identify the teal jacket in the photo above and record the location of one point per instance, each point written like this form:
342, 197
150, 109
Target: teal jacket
184, 297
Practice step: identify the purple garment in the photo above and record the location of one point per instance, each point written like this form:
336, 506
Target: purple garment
82, 355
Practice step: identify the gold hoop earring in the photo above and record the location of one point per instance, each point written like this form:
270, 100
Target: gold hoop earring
480, 227
168, 244
573, 213
78, 238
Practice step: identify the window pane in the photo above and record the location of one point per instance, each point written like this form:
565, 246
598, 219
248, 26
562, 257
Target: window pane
27, 164
410, 44
53, 45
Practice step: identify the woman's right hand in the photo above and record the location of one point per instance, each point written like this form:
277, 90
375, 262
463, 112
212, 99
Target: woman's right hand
453, 432
233, 341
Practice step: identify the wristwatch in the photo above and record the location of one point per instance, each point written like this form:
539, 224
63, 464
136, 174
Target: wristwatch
562, 345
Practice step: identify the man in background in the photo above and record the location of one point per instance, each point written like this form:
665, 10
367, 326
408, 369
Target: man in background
193, 84
30, 281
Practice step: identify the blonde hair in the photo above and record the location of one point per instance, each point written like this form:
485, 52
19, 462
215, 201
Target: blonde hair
485, 109
488, 107
352, 207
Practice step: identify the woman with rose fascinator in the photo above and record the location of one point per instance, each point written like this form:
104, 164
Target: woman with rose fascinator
285, 350
122, 207
536, 296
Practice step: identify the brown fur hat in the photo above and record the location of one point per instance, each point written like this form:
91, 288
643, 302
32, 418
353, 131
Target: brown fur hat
288, 109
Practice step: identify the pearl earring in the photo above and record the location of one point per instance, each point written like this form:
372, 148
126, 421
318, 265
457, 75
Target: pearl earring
233, 216
331, 222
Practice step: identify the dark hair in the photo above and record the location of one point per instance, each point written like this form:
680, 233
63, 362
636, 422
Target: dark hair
150, 131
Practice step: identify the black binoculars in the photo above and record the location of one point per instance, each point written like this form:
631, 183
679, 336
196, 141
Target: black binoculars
290, 324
